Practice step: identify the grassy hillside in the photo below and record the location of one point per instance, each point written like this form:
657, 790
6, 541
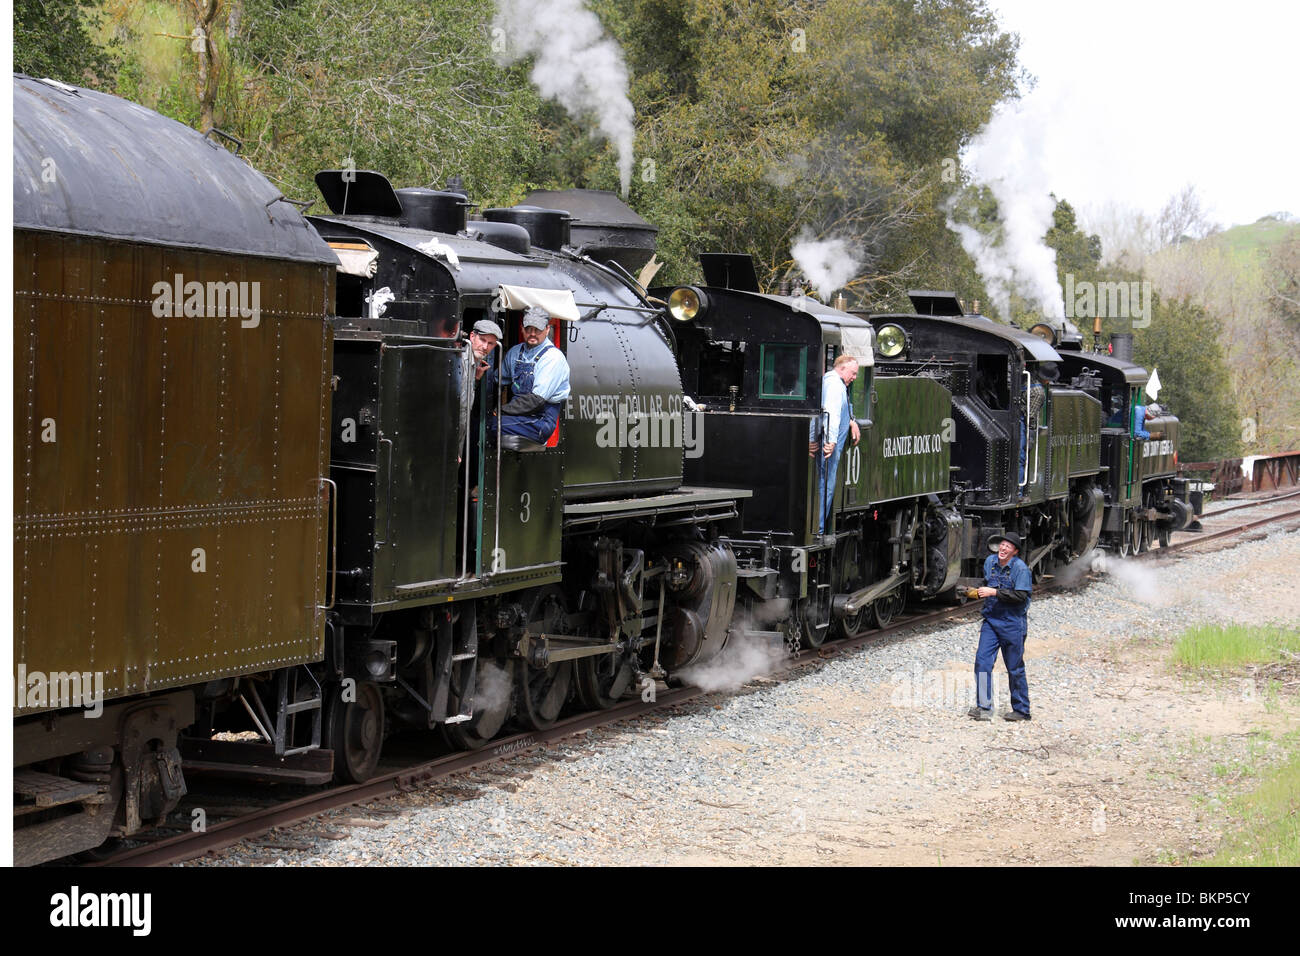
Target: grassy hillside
1262, 236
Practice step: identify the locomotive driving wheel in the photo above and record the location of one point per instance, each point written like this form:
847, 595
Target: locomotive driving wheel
1135, 535
603, 679
885, 607
814, 621
1164, 533
493, 696
541, 692
854, 624
356, 732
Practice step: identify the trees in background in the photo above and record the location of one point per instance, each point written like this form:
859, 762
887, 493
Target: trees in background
56, 39
757, 121
1182, 341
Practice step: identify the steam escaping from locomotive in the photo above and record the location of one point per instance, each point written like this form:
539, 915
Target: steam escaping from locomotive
574, 63
828, 263
1007, 157
743, 659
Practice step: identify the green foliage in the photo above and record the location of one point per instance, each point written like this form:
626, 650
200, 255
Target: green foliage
764, 119
1182, 342
406, 87
53, 38
756, 119
1077, 252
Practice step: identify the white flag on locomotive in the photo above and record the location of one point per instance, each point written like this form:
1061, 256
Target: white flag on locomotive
1153, 385
558, 303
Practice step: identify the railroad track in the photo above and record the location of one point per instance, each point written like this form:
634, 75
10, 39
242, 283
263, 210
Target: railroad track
256, 822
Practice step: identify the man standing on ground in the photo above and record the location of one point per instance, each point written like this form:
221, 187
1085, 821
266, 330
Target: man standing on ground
1008, 583
835, 402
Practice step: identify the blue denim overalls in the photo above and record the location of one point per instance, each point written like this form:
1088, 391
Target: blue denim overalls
538, 426
1004, 627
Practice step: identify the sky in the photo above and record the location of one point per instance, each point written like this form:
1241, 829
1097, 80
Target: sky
1137, 98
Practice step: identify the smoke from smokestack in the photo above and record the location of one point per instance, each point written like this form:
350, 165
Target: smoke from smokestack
828, 263
1008, 157
574, 63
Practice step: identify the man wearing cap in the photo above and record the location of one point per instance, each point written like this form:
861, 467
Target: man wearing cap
483, 338
1006, 609
538, 375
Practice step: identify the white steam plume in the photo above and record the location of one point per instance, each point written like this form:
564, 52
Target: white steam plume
1008, 157
828, 263
575, 63
743, 659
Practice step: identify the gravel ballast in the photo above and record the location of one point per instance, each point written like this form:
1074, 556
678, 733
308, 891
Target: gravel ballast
868, 756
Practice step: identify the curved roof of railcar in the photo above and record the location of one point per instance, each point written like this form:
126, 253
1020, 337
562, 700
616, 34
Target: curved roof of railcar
97, 165
482, 266
1039, 350
1133, 373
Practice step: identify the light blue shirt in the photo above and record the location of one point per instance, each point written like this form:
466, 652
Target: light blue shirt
550, 370
835, 402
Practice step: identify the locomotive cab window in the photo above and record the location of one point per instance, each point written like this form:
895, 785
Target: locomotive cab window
354, 283
783, 371
722, 367
991, 383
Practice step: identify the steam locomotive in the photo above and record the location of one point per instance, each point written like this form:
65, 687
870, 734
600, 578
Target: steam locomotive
258, 486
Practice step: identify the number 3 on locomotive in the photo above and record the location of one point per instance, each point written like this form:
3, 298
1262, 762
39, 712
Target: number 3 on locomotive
524, 501
853, 467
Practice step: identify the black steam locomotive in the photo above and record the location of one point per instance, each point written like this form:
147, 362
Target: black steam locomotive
259, 485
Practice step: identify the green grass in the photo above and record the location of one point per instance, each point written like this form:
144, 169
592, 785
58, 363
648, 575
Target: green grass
1256, 237
1267, 818
1218, 647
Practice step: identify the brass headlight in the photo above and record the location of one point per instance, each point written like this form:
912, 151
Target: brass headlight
1044, 332
891, 340
685, 303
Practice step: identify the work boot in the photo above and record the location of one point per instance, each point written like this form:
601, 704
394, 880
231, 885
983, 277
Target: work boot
1015, 715
979, 713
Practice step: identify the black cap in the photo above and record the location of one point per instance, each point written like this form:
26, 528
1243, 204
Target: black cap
1049, 371
1009, 536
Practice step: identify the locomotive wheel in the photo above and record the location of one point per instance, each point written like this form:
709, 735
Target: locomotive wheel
1164, 533
493, 698
357, 733
1135, 536
810, 616
602, 680
854, 624
540, 693
1146, 537
883, 609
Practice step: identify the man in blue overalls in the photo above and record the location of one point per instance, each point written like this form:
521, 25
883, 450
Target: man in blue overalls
538, 375
1006, 621
840, 425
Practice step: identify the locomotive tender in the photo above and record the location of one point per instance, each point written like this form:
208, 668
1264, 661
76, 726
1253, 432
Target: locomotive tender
260, 487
